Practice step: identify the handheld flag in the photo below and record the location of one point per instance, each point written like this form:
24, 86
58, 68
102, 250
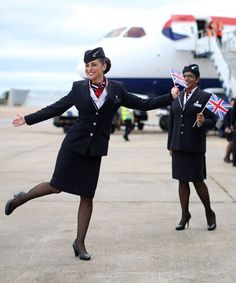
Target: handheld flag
177, 77
218, 106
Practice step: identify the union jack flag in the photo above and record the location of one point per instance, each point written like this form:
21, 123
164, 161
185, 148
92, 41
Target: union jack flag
218, 106
177, 77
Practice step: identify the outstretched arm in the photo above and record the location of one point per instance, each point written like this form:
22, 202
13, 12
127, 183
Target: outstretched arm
50, 111
132, 101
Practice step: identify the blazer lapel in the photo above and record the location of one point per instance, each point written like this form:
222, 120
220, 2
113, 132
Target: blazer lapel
109, 100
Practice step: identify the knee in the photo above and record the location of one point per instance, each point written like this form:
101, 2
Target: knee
183, 185
54, 190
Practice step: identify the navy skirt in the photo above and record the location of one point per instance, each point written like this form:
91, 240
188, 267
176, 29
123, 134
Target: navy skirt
188, 166
76, 174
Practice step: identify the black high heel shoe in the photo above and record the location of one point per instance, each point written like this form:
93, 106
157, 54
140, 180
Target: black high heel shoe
183, 222
82, 256
8, 208
211, 221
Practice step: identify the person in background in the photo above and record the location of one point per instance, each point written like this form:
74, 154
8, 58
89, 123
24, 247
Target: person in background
218, 28
127, 117
187, 144
210, 31
78, 162
115, 123
228, 119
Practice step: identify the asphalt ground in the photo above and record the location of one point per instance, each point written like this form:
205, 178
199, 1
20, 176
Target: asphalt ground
132, 236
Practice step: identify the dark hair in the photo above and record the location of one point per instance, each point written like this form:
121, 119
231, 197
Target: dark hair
106, 61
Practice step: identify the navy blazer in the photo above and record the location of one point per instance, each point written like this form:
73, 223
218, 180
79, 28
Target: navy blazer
182, 135
91, 131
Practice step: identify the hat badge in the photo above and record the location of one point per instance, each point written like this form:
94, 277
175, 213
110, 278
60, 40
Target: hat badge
95, 54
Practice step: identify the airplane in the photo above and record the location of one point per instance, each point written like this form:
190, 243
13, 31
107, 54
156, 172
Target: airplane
142, 54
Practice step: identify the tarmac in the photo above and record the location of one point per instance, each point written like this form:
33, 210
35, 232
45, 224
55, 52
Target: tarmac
132, 236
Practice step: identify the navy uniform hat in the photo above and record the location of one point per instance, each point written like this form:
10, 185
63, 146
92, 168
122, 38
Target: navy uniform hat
193, 68
94, 54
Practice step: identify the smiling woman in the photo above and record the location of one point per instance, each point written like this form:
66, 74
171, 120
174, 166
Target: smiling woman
187, 145
77, 168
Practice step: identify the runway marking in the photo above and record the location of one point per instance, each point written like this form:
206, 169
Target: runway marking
223, 188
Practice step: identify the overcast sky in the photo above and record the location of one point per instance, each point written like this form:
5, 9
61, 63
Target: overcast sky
40, 40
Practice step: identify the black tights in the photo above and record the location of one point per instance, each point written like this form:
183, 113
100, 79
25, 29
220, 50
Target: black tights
184, 194
84, 216
84, 212
40, 190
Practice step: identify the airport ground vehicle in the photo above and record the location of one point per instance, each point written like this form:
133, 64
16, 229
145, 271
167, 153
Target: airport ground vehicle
67, 119
163, 115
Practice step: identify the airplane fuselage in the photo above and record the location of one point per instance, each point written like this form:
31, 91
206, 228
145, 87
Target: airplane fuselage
141, 56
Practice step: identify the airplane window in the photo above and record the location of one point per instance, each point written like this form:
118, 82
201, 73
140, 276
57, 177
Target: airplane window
115, 32
135, 32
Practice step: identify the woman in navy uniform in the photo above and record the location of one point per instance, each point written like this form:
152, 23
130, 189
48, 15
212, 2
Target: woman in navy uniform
187, 144
78, 162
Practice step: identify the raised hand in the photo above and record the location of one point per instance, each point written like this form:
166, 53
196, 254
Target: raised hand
18, 121
175, 92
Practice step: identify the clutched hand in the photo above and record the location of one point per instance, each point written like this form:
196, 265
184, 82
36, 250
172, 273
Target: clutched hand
200, 119
175, 92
